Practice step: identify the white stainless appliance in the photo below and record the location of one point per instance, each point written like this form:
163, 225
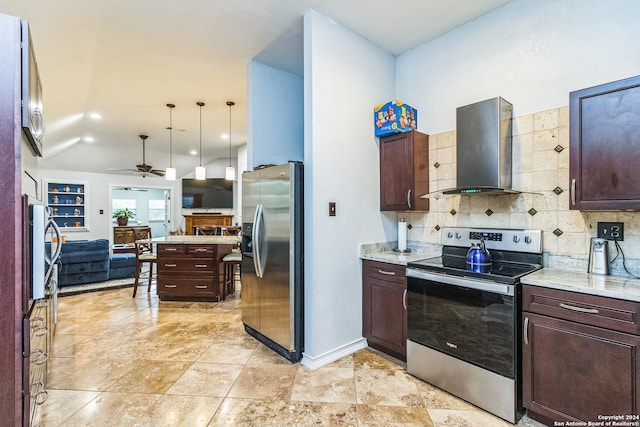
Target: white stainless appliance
464, 326
272, 258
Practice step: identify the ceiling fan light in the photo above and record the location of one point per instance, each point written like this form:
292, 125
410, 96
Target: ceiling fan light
170, 174
230, 173
200, 173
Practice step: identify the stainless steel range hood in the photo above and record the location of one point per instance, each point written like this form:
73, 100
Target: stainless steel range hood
483, 149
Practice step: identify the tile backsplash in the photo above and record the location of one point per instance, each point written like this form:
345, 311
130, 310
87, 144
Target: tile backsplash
540, 170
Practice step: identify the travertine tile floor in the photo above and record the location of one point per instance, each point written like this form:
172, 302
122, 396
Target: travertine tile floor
120, 361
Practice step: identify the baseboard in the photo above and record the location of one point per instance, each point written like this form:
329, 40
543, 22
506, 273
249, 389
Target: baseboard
66, 291
316, 362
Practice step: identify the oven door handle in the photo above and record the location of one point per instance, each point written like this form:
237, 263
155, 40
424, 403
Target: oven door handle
463, 282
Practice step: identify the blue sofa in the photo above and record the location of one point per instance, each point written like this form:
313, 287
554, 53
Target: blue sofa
90, 261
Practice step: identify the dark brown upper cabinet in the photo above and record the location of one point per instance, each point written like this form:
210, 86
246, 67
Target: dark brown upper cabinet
404, 171
605, 146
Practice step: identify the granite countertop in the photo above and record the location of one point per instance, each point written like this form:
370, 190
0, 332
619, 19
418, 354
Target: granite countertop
577, 281
193, 239
397, 257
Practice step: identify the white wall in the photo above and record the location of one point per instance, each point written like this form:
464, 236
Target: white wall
275, 115
345, 76
532, 53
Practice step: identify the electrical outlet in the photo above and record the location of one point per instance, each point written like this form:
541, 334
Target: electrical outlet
611, 230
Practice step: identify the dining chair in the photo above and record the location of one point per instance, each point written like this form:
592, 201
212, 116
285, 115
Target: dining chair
231, 230
144, 254
207, 230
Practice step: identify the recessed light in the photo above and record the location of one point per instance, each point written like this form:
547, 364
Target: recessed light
95, 115
89, 139
224, 136
193, 152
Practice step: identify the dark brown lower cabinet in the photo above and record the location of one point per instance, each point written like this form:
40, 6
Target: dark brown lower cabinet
384, 314
574, 369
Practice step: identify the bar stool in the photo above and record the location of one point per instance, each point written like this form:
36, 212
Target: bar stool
231, 262
144, 254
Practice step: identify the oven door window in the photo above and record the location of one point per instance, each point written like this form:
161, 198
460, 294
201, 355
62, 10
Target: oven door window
469, 324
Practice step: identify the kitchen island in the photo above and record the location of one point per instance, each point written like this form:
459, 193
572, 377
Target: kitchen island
189, 267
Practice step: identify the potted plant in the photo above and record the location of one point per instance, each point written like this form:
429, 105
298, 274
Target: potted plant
122, 216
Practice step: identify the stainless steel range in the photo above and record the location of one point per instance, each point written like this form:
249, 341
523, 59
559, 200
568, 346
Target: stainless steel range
464, 326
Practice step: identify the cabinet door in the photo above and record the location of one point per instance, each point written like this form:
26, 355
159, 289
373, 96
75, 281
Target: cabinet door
388, 318
605, 147
578, 372
404, 172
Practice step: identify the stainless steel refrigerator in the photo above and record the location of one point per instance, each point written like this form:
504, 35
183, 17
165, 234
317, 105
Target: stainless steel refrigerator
272, 295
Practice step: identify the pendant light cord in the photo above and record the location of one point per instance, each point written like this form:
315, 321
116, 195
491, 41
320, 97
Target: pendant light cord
171, 107
230, 104
200, 104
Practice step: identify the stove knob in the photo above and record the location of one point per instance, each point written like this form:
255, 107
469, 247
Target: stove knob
516, 239
527, 239
458, 236
449, 235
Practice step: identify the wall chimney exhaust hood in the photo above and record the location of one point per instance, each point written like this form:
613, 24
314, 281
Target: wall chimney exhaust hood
483, 149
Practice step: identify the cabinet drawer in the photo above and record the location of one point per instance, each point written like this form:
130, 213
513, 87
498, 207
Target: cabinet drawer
610, 313
170, 250
385, 271
201, 250
177, 286
190, 265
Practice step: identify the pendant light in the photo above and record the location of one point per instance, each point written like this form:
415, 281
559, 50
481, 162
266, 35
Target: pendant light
200, 171
170, 173
230, 172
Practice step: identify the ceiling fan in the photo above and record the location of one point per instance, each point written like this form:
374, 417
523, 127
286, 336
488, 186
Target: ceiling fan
144, 169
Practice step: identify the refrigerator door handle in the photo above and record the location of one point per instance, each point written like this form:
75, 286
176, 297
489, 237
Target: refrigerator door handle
257, 228
51, 261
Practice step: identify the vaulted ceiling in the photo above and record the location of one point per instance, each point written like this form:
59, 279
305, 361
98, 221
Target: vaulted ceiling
125, 60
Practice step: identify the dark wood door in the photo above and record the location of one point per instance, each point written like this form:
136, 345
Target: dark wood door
573, 371
404, 172
605, 146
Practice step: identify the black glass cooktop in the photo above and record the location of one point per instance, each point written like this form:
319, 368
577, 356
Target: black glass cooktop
506, 267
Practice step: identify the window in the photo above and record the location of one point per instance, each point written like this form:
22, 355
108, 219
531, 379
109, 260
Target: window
124, 203
156, 210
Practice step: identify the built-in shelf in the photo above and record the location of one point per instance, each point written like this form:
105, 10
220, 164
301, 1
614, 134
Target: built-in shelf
68, 205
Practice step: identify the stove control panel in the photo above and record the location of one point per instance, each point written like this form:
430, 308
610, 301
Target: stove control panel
517, 240
486, 236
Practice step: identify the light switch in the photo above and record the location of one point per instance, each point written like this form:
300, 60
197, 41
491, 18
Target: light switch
332, 208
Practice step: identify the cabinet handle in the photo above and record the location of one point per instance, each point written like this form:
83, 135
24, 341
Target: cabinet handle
39, 331
409, 198
38, 357
202, 265
170, 265
200, 250
580, 309
170, 286
170, 249
201, 286
525, 332
404, 298
388, 273
573, 191
40, 397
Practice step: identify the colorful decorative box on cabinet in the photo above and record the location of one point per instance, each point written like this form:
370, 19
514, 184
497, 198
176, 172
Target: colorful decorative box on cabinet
394, 116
